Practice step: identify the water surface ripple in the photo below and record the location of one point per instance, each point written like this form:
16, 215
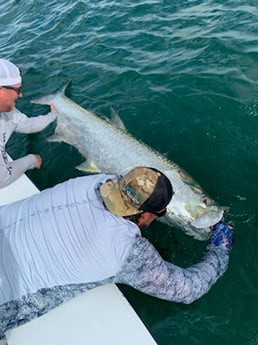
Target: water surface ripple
183, 77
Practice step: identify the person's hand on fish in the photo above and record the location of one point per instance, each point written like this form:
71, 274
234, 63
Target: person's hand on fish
38, 161
53, 108
221, 236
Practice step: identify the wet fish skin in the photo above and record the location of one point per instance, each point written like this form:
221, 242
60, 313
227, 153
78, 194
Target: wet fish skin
109, 148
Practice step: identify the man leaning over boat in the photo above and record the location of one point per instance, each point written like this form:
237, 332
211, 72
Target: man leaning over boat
86, 232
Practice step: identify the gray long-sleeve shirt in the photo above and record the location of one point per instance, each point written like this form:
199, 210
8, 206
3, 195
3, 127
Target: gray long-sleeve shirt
15, 121
144, 269
141, 266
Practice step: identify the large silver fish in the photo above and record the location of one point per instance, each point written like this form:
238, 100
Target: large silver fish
109, 148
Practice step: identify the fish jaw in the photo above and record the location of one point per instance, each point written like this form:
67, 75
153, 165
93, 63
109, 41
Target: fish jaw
208, 219
198, 227
190, 208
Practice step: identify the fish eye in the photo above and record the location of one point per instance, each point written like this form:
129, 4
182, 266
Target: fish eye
206, 201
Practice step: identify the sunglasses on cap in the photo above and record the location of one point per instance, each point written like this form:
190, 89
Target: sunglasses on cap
161, 213
16, 89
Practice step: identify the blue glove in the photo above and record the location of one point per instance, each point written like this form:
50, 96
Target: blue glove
221, 236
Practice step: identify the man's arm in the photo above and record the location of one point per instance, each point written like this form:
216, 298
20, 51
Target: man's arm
12, 170
146, 271
25, 124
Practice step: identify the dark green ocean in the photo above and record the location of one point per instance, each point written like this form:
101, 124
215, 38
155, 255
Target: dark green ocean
183, 76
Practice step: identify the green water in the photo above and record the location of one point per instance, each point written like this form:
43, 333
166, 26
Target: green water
183, 77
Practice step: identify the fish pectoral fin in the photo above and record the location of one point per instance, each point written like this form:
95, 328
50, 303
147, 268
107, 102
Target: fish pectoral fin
56, 138
88, 166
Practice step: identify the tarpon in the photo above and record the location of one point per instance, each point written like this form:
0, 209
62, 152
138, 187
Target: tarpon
109, 148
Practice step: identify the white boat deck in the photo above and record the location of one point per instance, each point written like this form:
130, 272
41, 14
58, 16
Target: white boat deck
99, 316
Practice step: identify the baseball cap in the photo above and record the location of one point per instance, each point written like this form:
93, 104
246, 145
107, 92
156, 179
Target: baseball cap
142, 189
9, 73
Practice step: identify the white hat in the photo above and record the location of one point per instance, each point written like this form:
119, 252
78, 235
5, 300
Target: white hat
9, 73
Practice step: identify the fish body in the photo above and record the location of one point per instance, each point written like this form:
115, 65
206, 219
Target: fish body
109, 148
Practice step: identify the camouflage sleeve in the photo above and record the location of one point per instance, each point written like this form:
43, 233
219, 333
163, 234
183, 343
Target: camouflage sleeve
146, 271
18, 312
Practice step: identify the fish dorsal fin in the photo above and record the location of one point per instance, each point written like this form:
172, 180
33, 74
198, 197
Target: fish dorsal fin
89, 167
116, 120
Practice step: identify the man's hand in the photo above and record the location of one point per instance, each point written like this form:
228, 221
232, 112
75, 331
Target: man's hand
53, 108
222, 236
38, 161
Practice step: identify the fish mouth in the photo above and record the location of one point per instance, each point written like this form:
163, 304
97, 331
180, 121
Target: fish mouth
208, 219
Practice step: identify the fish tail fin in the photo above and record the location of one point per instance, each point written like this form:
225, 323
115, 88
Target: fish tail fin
48, 99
